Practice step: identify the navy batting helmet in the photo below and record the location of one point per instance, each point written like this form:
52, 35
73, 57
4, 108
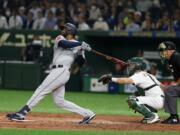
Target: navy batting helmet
69, 29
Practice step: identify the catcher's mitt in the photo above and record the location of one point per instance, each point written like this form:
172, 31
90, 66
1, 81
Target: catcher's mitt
105, 78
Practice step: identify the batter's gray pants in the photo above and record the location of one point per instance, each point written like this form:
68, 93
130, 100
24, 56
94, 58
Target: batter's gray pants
171, 95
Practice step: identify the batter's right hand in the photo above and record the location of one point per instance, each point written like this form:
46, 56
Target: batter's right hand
85, 46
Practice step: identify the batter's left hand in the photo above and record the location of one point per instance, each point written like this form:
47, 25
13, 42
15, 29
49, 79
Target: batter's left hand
85, 46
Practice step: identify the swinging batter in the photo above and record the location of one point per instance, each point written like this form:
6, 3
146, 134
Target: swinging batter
66, 50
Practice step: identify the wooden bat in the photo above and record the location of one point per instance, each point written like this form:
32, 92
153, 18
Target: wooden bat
110, 58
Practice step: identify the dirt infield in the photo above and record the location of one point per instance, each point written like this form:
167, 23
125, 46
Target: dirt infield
70, 122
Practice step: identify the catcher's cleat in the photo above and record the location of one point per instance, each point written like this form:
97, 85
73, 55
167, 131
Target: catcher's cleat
87, 119
16, 117
144, 120
153, 119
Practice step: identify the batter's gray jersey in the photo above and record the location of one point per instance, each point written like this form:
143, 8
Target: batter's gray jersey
58, 77
66, 56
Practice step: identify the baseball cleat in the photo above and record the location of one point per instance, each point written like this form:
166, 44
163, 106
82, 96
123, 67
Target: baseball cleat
144, 120
171, 120
153, 119
16, 117
87, 119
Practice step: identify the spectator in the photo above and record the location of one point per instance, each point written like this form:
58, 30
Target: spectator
15, 21
8, 14
82, 25
94, 13
34, 9
143, 5
155, 10
23, 16
100, 24
132, 26
54, 7
60, 8
176, 23
30, 21
3, 21
164, 23
50, 22
124, 16
115, 12
130, 4
112, 18
72, 10
39, 22
169, 5
122, 19
147, 24
138, 18
47, 8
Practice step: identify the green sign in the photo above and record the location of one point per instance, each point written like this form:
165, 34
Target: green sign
19, 38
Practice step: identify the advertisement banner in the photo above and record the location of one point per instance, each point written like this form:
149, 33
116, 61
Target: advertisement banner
95, 86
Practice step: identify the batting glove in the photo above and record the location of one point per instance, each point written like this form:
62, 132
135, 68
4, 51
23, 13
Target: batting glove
85, 46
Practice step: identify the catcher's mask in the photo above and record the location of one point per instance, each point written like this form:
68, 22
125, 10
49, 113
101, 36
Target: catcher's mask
68, 29
163, 49
135, 64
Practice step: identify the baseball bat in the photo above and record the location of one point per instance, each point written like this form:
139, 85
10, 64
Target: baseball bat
110, 58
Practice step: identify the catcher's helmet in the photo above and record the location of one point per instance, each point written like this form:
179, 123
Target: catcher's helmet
69, 28
135, 64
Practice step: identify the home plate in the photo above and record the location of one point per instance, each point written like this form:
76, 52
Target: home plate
23, 120
17, 121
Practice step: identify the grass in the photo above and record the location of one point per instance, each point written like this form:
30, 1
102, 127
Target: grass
45, 132
100, 103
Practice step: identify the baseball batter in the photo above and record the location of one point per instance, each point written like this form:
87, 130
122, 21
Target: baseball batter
66, 50
154, 97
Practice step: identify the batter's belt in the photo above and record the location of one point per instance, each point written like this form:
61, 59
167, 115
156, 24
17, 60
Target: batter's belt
58, 66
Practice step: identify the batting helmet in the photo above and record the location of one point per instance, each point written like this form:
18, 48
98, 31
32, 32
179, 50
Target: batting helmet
135, 64
69, 29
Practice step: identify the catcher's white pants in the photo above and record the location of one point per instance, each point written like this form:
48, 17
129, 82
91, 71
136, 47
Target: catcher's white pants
55, 83
157, 102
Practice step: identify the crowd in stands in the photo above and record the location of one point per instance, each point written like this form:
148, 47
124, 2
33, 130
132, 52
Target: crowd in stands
122, 15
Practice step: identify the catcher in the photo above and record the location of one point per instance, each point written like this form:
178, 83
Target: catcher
153, 99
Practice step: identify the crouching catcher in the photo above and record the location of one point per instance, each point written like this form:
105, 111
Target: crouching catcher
153, 99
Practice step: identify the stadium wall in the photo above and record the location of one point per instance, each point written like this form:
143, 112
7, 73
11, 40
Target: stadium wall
118, 44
